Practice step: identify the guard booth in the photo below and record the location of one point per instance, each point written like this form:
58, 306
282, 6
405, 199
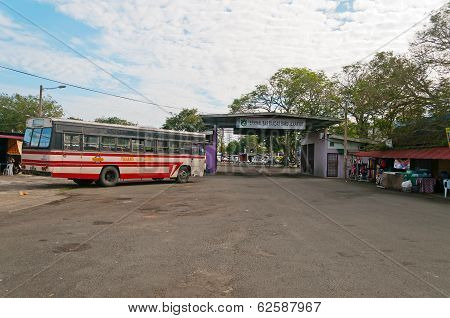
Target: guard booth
266, 125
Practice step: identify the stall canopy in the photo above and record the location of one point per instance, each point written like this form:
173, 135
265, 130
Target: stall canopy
437, 153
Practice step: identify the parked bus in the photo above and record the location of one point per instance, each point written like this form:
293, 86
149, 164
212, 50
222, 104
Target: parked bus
87, 152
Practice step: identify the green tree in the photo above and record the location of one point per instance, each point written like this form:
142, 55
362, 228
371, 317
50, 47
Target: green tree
382, 92
185, 120
291, 90
15, 109
431, 45
251, 144
431, 49
114, 120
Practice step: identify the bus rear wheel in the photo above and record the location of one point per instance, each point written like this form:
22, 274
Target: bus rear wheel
183, 175
83, 182
109, 177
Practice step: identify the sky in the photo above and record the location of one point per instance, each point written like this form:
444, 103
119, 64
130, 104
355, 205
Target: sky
196, 53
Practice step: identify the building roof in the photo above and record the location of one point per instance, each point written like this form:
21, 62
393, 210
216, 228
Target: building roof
229, 120
358, 140
424, 153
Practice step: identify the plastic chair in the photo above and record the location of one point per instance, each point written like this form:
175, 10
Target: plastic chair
446, 183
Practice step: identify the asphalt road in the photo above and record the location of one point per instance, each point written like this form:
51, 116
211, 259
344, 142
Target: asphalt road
227, 236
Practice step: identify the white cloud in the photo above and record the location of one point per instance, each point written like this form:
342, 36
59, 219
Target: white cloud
205, 53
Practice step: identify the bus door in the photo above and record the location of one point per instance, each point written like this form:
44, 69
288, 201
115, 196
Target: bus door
197, 165
91, 155
71, 156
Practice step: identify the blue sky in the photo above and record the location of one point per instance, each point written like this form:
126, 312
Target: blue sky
188, 53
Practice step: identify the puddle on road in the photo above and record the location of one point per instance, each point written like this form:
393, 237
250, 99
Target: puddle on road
71, 247
101, 223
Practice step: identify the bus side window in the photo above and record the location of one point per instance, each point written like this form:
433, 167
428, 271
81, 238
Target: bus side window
123, 144
150, 146
174, 147
72, 142
163, 146
108, 144
91, 142
195, 149
186, 148
198, 149
137, 145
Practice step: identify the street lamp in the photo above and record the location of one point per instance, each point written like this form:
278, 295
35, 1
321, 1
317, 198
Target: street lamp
41, 89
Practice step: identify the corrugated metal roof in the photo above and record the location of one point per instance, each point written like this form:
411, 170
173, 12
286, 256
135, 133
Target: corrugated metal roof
425, 153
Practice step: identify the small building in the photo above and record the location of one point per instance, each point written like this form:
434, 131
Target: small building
10, 146
322, 154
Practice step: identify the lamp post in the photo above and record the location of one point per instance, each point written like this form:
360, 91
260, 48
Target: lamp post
41, 90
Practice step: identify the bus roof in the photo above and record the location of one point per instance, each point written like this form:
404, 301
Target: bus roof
82, 122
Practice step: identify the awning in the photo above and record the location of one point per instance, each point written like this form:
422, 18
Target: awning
11, 137
425, 153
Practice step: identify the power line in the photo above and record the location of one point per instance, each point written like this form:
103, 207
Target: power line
402, 33
161, 107
77, 86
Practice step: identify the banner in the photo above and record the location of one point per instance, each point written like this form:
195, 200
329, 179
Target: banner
402, 164
271, 123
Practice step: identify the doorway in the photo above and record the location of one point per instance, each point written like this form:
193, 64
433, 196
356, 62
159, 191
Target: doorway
332, 165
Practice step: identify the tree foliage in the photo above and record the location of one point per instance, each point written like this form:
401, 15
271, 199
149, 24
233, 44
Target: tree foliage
292, 91
114, 120
233, 147
432, 44
186, 120
16, 109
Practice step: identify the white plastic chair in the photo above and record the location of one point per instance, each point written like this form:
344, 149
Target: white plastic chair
9, 169
446, 186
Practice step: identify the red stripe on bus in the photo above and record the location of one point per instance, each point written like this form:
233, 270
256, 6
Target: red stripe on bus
93, 164
91, 176
101, 154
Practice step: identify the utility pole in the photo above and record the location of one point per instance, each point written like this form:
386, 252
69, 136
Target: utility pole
345, 139
41, 89
271, 161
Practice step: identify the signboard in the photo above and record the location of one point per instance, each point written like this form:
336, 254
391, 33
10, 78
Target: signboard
269, 123
447, 130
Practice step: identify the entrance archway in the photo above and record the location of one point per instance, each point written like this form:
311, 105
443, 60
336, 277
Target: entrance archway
267, 125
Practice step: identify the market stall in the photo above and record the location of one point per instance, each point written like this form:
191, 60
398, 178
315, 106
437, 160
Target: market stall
412, 170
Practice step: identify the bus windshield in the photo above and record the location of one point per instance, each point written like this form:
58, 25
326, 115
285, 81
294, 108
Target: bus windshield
37, 138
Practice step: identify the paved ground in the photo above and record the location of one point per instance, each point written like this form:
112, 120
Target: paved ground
223, 236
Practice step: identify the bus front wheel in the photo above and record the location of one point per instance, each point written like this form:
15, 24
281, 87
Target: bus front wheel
109, 177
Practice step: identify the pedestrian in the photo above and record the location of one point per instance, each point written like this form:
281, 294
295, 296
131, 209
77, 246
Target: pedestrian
10, 167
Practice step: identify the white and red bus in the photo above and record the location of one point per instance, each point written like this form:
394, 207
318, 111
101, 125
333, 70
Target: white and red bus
87, 152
